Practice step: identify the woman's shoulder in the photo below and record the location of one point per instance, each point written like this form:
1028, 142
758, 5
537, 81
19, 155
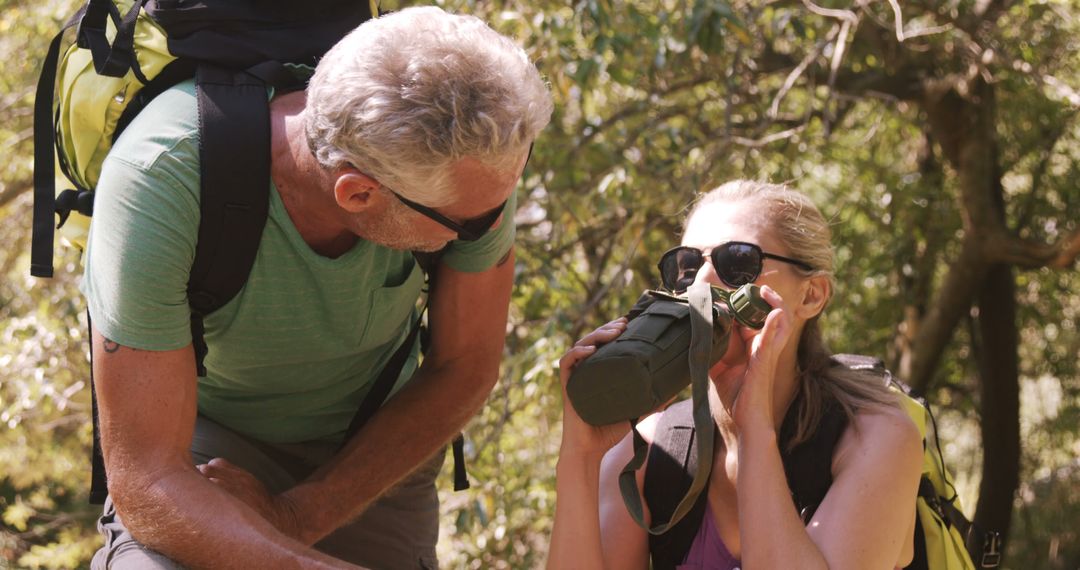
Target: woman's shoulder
617, 457
879, 431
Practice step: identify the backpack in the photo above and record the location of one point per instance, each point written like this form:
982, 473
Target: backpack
940, 526
125, 53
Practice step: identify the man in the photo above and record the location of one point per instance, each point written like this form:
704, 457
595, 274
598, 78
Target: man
412, 135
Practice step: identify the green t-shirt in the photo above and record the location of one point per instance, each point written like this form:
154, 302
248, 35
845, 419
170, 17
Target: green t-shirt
294, 353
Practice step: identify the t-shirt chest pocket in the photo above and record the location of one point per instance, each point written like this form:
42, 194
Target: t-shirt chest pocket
391, 311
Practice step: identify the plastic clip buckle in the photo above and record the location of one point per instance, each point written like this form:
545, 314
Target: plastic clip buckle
991, 556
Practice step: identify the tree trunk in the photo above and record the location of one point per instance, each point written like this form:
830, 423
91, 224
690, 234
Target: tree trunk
965, 128
1000, 399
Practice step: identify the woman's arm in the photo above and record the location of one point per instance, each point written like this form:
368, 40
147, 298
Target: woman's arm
864, 520
592, 528
867, 518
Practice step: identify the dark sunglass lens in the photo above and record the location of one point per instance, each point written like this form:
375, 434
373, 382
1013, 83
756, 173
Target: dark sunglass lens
679, 267
477, 227
737, 263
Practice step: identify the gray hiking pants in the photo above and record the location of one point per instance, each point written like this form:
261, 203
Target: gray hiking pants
399, 531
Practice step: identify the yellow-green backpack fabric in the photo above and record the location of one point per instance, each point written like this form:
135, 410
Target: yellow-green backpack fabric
89, 106
122, 53
944, 544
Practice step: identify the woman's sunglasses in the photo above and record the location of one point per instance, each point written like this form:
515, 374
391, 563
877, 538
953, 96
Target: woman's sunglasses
736, 262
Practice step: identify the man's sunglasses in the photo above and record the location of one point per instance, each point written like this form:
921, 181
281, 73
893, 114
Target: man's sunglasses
736, 262
469, 230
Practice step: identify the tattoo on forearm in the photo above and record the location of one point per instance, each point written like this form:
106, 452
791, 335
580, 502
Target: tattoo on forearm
111, 346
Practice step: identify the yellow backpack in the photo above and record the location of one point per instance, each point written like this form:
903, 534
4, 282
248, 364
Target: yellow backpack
126, 52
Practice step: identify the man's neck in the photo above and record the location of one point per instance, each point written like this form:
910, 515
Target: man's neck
304, 186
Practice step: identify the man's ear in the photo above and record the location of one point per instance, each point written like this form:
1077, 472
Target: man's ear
816, 291
354, 190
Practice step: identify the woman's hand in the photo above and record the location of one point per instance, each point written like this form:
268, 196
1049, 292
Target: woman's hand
751, 364
580, 437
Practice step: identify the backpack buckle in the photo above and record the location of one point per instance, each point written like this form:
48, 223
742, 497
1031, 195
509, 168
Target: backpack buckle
991, 556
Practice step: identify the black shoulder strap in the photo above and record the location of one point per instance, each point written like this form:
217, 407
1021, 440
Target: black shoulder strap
808, 466
429, 263
234, 157
41, 247
375, 397
99, 485
671, 462
380, 389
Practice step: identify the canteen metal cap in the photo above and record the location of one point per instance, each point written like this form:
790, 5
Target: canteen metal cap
748, 306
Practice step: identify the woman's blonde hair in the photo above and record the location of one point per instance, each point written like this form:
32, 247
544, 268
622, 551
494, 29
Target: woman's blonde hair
804, 234
407, 94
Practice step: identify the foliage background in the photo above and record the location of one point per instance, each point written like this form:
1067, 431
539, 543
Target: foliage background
656, 101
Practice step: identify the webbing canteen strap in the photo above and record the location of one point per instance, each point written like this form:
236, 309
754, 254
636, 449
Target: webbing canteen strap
699, 357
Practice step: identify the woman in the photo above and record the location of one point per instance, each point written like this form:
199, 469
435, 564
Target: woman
775, 237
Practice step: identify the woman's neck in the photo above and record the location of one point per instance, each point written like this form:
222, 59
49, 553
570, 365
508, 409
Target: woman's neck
722, 397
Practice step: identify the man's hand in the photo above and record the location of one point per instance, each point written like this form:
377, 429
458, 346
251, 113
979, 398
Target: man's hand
277, 509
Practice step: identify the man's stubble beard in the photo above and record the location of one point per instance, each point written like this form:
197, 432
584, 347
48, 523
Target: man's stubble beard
394, 230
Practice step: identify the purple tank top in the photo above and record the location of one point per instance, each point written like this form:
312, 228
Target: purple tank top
708, 550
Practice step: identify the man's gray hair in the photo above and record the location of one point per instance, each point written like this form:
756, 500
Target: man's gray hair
405, 95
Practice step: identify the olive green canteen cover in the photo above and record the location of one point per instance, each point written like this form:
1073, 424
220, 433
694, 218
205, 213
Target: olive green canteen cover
646, 366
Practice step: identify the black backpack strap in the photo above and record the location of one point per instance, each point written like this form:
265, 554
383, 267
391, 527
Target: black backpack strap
461, 477
234, 126
429, 262
375, 397
808, 466
41, 248
99, 485
380, 389
234, 158
671, 461
115, 58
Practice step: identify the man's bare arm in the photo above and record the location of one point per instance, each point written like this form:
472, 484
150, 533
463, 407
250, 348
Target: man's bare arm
468, 327
147, 406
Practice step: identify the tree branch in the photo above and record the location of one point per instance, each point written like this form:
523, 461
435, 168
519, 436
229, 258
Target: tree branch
640, 106
949, 305
792, 77
13, 190
1001, 247
844, 15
